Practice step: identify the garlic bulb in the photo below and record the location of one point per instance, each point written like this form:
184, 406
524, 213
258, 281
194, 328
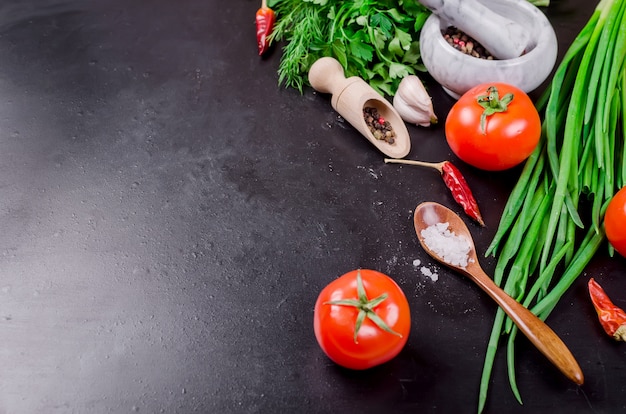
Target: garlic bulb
413, 103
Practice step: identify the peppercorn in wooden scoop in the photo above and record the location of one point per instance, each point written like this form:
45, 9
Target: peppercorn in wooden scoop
364, 108
446, 238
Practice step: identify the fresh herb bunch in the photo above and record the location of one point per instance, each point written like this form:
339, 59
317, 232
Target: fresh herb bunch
376, 40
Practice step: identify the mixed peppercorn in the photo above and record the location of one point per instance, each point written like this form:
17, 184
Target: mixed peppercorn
466, 44
379, 127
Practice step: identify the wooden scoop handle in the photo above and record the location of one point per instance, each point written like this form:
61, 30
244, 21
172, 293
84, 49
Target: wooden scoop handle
326, 75
540, 334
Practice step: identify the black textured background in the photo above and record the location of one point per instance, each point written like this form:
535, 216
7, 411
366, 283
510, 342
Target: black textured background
168, 215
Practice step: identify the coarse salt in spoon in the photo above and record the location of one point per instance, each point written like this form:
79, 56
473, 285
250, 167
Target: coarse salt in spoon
446, 238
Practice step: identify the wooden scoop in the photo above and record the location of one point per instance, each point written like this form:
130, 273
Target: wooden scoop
350, 96
544, 338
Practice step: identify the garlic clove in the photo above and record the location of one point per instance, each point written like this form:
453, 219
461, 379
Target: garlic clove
413, 102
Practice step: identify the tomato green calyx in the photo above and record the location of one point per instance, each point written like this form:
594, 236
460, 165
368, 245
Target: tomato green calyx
366, 308
492, 103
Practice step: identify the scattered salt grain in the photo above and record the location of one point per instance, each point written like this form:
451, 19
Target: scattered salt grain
451, 248
429, 273
425, 270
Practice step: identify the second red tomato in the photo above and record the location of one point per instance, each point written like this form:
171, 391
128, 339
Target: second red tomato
615, 221
384, 324
488, 137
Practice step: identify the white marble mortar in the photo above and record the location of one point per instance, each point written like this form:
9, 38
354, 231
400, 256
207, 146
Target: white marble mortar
502, 37
458, 72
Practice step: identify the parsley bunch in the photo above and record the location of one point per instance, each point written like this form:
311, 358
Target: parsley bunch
376, 40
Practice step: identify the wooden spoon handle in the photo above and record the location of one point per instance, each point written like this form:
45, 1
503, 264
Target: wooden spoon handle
540, 334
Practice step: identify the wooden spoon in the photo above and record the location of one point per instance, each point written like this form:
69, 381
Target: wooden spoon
544, 338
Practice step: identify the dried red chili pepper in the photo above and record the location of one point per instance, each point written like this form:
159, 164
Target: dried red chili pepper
461, 191
455, 181
265, 18
612, 318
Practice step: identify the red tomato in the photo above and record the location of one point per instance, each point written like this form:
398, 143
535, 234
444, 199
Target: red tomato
335, 323
508, 137
615, 221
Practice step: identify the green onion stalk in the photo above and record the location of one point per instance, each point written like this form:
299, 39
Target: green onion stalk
552, 223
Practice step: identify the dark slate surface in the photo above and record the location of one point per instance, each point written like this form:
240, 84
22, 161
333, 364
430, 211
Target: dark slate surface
168, 215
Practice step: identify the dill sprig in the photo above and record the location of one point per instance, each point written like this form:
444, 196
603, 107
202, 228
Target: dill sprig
302, 25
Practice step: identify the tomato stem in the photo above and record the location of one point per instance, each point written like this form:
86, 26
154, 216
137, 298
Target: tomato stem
492, 103
366, 308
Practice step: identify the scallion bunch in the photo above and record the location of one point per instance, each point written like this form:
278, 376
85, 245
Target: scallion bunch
552, 223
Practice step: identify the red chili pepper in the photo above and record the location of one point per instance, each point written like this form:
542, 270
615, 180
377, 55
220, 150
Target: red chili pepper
454, 181
461, 191
612, 318
265, 18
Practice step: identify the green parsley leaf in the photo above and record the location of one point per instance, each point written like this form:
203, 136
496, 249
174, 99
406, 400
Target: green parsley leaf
395, 47
379, 38
398, 70
412, 56
339, 51
361, 50
382, 22
397, 16
362, 20
404, 38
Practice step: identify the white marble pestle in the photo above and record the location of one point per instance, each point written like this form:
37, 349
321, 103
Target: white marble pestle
502, 37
